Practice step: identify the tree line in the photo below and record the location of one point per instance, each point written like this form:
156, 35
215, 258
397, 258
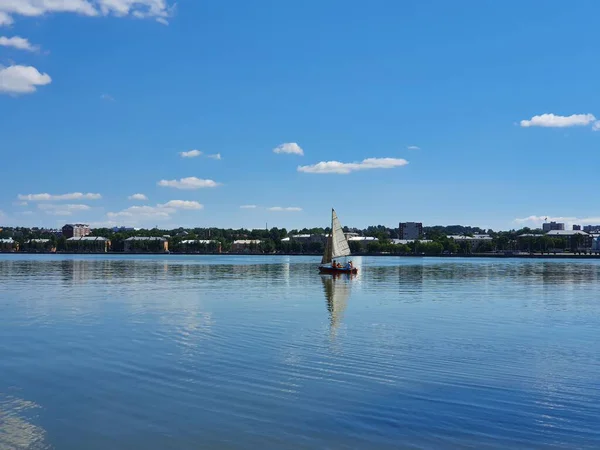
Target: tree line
272, 240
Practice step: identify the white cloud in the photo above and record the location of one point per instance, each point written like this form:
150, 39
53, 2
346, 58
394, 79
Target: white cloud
18, 42
248, 206
20, 203
137, 197
62, 209
554, 121
188, 183
50, 197
537, 221
160, 211
33, 8
5, 19
107, 97
141, 212
21, 79
142, 9
413, 147
190, 154
288, 208
290, 147
71, 207
182, 204
596, 126
345, 168
215, 156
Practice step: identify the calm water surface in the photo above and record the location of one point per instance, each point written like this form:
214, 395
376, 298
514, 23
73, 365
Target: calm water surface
262, 352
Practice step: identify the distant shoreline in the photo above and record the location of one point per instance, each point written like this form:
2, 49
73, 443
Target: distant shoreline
473, 255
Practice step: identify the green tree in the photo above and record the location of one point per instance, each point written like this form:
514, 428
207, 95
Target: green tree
373, 247
576, 242
267, 246
61, 244
355, 247
316, 247
429, 248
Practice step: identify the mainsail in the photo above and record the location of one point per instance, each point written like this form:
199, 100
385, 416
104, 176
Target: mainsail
337, 245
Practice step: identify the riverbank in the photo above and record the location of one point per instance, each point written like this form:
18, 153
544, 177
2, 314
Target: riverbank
407, 255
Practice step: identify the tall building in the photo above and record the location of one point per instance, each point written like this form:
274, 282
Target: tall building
77, 230
410, 230
576, 227
591, 228
552, 226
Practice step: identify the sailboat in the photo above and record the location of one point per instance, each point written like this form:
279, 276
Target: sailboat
336, 247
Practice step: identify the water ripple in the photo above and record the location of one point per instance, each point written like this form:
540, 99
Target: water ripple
262, 352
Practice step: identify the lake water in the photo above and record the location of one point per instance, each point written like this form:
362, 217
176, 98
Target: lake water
225, 352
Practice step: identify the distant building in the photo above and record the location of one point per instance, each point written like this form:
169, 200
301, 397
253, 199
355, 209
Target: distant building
362, 241
408, 241
56, 232
591, 228
9, 245
473, 241
550, 226
245, 245
88, 244
76, 230
306, 238
146, 245
410, 230
596, 243
39, 246
201, 245
576, 227
585, 242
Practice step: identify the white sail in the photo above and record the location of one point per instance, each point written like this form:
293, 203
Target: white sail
339, 244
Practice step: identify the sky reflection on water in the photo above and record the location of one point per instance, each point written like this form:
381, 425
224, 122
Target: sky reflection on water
242, 352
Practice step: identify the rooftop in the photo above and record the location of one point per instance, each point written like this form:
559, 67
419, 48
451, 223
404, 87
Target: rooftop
88, 238
566, 233
144, 238
247, 241
409, 241
476, 237
363, 239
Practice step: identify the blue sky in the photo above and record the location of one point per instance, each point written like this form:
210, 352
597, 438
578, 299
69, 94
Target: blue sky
479, 113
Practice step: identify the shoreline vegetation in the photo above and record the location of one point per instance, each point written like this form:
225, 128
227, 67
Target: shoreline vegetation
448, 241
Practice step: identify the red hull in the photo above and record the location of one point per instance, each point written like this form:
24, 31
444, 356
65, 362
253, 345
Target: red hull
342, 270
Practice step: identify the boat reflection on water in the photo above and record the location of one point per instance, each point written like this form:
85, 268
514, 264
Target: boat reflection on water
337, 292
